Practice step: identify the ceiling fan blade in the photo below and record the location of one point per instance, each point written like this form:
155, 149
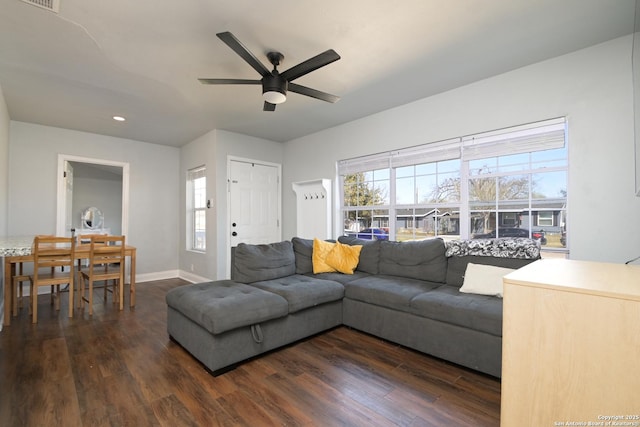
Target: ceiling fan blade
310, 65
269, 106
229, 82
241, 50
303, 90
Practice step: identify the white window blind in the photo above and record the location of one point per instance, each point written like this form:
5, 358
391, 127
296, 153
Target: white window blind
427, 153
538, 136
200, 172
363, 164
546, 135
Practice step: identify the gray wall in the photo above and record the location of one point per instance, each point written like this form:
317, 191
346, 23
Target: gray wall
4, 182
591, 87
200, 152
153, 182
4, 163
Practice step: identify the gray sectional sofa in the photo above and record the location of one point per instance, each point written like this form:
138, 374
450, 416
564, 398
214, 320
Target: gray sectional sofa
408, 293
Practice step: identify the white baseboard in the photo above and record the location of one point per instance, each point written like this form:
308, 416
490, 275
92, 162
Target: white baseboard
193, 278
159, 275
171, 274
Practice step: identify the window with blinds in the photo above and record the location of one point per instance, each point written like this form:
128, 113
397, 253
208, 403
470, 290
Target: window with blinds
196, 209
505, 183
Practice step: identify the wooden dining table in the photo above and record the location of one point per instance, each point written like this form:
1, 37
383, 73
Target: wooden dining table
18, 249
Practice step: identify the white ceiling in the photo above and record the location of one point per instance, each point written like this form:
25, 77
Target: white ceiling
141, 59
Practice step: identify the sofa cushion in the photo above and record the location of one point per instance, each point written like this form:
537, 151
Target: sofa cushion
387, 291
339, 277
253, 263
457, 265
447, 304
225, 305
422, 260
303, 291
369, 255
303, 251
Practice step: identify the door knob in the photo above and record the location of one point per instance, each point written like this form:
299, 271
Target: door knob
234, 234
233, 225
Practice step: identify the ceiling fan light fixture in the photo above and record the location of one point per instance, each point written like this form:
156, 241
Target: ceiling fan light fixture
274, 97
274, 88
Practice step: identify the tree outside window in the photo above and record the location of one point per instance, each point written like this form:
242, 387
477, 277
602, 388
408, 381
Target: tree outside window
365, 190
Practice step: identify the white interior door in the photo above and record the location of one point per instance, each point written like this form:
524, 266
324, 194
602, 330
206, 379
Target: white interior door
254, 202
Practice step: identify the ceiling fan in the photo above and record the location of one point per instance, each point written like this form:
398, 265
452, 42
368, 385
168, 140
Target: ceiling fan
275, 84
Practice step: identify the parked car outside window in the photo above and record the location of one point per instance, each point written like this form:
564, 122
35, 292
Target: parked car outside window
373, 233
514, 232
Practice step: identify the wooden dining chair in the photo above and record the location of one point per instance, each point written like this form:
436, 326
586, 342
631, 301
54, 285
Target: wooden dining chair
106, 263
53, 265
16, 288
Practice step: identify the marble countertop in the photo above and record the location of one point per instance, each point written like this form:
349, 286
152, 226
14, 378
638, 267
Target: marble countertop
15, 246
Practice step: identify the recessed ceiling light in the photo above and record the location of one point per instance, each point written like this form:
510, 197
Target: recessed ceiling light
119, 118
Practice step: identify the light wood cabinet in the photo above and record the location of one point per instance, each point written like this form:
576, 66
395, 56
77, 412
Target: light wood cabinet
571, 344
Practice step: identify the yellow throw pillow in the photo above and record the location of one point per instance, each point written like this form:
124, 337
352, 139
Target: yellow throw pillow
320, 251
344, 258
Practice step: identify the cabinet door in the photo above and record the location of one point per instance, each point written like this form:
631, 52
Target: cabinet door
568, 357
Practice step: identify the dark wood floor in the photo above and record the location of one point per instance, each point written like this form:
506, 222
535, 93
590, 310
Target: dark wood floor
121, 369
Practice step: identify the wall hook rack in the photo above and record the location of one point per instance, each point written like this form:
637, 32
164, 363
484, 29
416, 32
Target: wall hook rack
313, 208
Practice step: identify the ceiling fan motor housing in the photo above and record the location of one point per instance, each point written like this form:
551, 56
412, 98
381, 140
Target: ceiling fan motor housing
275, 83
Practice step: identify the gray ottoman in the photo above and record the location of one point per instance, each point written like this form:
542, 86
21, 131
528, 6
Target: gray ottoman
219, 322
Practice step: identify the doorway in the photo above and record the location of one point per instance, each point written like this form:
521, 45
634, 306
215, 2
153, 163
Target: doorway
254, 203
106, 179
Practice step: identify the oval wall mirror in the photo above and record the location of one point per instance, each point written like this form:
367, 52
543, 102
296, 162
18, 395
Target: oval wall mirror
92, 218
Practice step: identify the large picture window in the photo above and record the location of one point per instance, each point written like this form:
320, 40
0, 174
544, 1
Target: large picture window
506, 183
196, 209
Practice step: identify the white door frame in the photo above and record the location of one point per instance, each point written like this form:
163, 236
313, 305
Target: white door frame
62, 195
279, 204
